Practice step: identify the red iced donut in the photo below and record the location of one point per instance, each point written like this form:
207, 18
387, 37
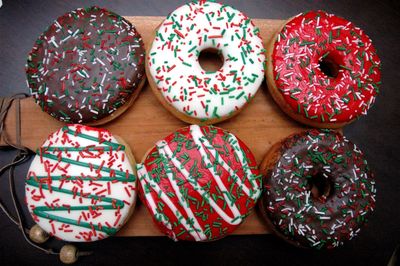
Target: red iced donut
322, 70
199, 183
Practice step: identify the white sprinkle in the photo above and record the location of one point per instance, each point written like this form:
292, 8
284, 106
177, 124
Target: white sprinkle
101, 62
53, 42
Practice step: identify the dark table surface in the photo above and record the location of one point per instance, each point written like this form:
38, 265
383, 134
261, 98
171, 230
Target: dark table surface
376, 134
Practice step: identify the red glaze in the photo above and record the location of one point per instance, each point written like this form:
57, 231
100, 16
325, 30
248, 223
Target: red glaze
302, 44
181, 143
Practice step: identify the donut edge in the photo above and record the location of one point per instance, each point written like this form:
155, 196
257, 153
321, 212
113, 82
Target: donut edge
269, 160
132, 162
121, 110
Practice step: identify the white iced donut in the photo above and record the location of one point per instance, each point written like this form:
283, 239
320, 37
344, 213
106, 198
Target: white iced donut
172, 61
81, 185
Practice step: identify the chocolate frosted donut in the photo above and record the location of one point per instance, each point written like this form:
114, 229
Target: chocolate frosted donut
319, 190
86, 65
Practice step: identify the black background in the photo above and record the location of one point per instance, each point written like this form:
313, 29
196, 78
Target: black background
377, 135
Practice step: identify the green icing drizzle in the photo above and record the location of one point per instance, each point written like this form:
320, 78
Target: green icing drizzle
42, 211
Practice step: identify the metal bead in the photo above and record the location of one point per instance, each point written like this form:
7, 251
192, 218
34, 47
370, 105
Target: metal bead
68, 254
38, 235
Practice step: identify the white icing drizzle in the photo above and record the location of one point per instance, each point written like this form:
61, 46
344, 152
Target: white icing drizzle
142, 172
165, 151
201, 141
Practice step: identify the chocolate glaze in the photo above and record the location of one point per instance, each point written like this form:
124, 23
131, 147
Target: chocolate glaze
85, 65
347, 189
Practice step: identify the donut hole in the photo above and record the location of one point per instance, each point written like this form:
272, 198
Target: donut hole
321, 187
211, 59
329, 66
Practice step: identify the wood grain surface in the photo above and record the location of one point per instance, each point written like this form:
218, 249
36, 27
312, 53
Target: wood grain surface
259, 125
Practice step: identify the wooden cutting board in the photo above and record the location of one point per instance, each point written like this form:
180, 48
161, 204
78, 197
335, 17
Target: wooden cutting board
259, 125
